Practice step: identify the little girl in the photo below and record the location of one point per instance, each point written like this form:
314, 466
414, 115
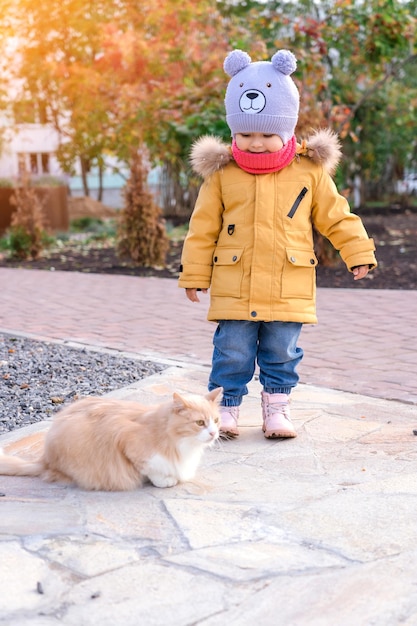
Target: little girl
250, 237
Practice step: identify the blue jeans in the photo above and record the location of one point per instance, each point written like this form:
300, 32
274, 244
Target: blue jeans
238, 345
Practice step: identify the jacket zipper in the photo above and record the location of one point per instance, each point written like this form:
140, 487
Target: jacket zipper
297, 202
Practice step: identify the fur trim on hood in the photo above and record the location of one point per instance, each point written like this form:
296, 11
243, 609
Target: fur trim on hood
323, 147
210, 154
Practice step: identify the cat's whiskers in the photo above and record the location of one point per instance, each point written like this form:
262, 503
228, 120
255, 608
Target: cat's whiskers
220, 443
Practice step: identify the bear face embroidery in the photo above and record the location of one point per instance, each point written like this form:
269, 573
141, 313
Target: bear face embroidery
252, 101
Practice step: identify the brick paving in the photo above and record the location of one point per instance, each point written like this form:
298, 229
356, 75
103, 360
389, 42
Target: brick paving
365, 341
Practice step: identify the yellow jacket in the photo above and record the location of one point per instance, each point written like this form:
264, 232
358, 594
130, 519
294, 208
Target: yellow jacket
250, 238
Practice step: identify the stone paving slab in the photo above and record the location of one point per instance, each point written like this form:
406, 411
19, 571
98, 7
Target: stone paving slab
313, 531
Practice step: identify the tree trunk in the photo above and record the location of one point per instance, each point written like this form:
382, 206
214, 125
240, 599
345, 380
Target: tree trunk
84, 171
100, 183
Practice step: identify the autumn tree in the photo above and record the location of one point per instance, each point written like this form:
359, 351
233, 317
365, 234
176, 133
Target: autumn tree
56, 45
171, 85
356, 74
110, 73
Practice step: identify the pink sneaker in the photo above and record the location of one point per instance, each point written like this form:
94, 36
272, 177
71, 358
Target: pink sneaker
276, 416
228, 422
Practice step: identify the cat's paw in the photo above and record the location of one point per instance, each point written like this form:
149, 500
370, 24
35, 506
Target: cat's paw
163, 481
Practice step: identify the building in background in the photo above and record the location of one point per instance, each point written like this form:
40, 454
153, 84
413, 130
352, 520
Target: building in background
29, 143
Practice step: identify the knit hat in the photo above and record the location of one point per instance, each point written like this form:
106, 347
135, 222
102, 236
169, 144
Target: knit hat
261, 97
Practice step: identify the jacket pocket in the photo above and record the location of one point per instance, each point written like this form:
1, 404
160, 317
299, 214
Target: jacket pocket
299, 274
227, 272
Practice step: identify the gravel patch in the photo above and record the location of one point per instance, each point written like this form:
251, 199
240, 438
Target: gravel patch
38, 378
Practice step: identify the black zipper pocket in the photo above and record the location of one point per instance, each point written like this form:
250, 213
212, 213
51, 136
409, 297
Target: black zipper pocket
297, 202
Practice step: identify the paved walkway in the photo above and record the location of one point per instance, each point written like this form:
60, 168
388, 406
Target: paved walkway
365, 342
313, 531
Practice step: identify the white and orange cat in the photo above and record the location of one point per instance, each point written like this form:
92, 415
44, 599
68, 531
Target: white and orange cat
115, 445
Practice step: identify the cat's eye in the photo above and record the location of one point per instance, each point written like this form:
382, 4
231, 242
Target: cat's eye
241, 85
268, 85
200, 422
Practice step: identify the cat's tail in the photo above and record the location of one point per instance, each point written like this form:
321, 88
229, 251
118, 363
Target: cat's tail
16, 466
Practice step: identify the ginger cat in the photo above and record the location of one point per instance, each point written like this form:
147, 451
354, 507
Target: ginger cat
115, 445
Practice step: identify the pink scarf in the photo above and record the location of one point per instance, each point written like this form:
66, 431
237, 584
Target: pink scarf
265, 162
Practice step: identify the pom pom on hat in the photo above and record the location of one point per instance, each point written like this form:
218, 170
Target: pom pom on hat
236, 61
284, 61
261, 96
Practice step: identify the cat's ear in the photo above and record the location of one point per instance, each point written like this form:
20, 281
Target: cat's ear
215, 395
179, 401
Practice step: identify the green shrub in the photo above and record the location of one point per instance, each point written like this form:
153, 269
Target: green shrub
83, 224
94, 228
22, 244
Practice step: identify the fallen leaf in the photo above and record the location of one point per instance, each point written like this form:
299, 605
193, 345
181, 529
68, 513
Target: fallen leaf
57, 400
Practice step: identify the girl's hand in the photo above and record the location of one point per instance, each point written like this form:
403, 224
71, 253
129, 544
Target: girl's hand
192, 294
360, 272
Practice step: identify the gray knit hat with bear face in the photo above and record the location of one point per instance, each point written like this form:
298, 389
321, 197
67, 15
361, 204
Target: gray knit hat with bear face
261, 97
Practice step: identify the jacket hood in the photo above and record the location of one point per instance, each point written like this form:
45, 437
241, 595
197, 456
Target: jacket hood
210, 154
